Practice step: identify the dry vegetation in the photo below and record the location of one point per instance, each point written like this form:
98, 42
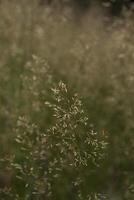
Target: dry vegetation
94, 55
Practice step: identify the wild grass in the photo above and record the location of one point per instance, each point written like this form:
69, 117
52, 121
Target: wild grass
92, 53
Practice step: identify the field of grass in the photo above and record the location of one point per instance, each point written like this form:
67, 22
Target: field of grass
66, 103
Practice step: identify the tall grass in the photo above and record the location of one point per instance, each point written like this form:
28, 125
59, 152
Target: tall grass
93, 53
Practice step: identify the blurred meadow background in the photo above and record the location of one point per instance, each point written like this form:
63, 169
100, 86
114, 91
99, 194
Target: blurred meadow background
66, 100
